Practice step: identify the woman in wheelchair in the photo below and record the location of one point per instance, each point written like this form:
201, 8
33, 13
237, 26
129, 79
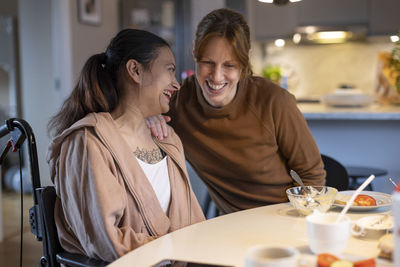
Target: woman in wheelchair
117, 187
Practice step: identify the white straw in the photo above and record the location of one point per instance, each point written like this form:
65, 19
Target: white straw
355, 194
395, 185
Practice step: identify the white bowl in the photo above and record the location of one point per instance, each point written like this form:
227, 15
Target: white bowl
347, 99
373, 227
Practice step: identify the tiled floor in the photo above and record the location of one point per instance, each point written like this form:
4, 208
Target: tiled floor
10, 246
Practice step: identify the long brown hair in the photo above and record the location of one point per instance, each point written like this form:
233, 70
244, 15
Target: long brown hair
230, 25
99, 87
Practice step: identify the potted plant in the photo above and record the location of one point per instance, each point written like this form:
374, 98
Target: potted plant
388, 80
395, 65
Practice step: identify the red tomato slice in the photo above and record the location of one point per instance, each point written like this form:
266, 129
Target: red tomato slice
365, 200
326, 259
365, 263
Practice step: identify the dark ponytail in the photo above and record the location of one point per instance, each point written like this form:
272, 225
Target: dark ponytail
98, 88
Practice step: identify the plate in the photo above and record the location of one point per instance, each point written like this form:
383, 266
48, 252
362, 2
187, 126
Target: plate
311, 260
382, 200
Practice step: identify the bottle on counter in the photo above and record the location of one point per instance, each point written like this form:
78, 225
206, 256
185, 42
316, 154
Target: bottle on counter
284, 82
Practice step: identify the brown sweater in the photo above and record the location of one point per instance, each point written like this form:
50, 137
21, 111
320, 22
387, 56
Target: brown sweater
244, 150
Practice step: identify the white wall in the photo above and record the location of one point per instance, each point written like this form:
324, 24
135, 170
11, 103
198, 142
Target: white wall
53, 48
74, 42
37, 72
87, 40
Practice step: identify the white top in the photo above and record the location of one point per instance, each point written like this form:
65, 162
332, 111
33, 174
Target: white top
157, 174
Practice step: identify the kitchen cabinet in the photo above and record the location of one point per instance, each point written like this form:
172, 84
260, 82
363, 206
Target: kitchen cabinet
332, 12
384, 17
270, 21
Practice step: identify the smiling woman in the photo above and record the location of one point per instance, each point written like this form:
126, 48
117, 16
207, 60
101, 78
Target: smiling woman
242, 134
113, 180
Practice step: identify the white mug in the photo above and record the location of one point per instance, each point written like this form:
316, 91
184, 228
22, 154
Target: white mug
325, 235
271, 256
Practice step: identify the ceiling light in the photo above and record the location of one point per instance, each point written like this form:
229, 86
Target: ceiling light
394, 38
329, 35
296, 38
279, 42
279, 2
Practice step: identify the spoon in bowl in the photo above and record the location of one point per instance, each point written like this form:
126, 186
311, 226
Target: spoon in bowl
309, 200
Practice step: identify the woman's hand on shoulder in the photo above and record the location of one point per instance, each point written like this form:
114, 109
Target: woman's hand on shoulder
158, 125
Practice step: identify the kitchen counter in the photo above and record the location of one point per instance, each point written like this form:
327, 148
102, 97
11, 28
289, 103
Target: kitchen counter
365, 136
318, 111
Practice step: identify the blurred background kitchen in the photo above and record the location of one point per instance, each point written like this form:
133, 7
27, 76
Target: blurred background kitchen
44, 43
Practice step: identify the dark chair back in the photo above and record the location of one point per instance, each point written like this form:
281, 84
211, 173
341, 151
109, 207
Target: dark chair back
336, 174
208, 206
52, 250
51, 245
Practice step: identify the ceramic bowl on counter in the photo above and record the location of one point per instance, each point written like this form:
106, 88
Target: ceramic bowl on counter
373, 227
347, 98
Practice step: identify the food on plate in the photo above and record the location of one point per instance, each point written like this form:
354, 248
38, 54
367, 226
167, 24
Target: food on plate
361, 200
341, 201
326, 259
385, 244
329, 260
365, 200
365, 263
342, 263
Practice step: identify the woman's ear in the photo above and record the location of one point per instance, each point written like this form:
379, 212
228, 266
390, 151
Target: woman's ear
133, 68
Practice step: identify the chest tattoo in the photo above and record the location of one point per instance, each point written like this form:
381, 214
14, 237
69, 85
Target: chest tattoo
149, 156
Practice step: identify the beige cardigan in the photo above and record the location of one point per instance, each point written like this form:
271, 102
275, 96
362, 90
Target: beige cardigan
106, 207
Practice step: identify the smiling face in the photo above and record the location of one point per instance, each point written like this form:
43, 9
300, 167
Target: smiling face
159, 83
218, 72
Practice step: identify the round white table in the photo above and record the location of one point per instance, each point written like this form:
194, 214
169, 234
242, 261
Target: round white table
225, 239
